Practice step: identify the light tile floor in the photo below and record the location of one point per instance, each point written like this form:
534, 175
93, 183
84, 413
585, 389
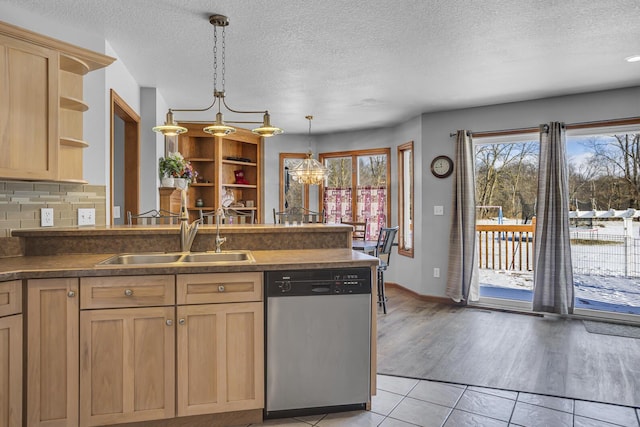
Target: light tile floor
404, 402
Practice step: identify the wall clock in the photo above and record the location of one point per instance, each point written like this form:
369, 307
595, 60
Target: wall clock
442, 166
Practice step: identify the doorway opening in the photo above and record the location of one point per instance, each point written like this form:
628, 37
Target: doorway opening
506, 189
125, 159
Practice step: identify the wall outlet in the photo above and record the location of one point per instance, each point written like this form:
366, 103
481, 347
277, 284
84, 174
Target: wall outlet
46, 217
436, 272
438, 210
86, 216
116, 212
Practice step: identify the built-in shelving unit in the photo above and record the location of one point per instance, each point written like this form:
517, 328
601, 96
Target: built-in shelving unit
216, 159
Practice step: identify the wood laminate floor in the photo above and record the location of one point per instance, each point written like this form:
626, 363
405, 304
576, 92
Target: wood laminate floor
479, 347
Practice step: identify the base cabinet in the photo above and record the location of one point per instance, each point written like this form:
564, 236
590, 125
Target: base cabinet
220, 358
52, 352
133, 349
11, 371
127, 370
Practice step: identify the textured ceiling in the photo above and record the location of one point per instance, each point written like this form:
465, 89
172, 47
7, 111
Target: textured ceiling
364, 63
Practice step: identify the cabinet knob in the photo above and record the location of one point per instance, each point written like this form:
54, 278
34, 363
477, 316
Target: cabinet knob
182, 321
128, 292
221, 288
169, 322
71, 294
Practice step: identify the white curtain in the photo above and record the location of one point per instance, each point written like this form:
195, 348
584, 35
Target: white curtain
553, 275
462, 272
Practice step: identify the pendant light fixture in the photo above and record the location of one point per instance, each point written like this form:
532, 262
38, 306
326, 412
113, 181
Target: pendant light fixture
309, 171
219, 127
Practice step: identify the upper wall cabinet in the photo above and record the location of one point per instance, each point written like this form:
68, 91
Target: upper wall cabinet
41, 106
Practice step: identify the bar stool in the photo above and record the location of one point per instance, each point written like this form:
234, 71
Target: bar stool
383, 252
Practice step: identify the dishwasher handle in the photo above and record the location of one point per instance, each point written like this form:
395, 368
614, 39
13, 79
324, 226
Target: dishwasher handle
321, 289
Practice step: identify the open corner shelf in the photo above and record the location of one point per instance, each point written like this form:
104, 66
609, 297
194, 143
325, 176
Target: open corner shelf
73, 104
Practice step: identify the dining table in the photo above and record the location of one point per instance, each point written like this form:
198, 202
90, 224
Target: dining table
366, 246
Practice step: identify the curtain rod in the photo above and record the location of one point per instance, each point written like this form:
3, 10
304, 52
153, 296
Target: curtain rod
579, 125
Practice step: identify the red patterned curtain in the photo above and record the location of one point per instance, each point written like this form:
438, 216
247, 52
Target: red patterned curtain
372, 206
337, 204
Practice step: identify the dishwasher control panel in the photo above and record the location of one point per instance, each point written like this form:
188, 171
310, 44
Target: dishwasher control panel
333, 281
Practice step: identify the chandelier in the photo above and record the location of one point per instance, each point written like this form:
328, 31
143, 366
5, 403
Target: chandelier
309, 171
219, 127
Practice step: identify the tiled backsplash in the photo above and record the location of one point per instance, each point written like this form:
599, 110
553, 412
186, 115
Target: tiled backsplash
21, 201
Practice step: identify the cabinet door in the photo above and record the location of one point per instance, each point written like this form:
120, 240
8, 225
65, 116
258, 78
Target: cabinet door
11, 371
127, 365
220, 358
52, 352
28, 110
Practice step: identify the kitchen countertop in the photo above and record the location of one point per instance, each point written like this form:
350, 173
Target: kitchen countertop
166, 238
134, 230
84, 265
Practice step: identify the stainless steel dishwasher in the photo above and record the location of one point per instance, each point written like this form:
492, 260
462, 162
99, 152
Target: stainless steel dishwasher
318, 341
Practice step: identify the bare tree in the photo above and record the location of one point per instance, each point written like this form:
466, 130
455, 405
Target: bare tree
502, 173
617, 161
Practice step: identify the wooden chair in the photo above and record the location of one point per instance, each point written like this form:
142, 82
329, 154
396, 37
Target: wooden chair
359, 229
153, 217
383, 252
231, 216
299, 215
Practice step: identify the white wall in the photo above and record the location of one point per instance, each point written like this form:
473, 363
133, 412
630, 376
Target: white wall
154, 109
118, 166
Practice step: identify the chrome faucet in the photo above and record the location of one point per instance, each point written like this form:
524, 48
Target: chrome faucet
187, 231
219, 240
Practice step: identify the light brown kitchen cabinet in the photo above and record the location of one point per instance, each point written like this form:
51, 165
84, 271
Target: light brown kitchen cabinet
127, 365
127, 291
220, 343
52, 352
11, 354
28, 134
41, 106
220, 358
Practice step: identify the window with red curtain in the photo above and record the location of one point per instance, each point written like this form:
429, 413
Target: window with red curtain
357, 188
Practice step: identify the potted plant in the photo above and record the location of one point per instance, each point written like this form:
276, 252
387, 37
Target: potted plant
170, 167
188, 173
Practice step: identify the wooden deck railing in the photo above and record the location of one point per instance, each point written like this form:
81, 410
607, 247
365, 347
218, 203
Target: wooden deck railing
506, 247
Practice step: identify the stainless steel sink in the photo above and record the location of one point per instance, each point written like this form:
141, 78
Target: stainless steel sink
226, 256
137, 259
180, 258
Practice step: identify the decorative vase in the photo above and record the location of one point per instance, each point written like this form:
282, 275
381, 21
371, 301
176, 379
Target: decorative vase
167, 181
180, 183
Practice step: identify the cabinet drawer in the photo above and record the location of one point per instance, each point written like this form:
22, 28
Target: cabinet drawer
219, 287
126, 291
10, 297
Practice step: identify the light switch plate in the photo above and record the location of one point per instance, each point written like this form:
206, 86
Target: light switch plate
438, 210
116, 212
46, 217
86, 216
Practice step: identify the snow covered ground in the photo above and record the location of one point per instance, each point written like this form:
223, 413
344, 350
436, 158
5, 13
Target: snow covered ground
609, 289
607, 285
